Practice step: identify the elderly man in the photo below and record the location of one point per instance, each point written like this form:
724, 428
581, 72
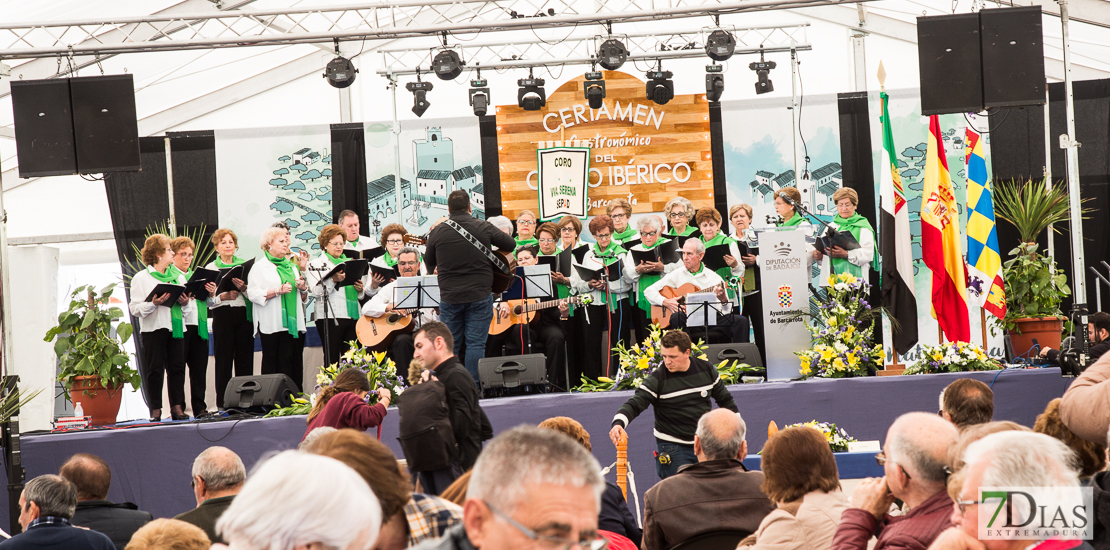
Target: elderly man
1009, 459
716, 494
45, 508
218, 475
348, 220
531, 488
695, 273
967, 402
914, 456
408, 265
92, 477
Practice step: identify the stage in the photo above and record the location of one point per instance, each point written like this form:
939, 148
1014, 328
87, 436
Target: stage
151, 465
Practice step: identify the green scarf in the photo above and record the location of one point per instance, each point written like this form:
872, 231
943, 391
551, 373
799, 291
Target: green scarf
202, 312
288, 273
724, 272
853, 225
236, 260
389, 260
352, 294
521, 243
178, 319
796, 219
616, 250
624, 235
354, 243
689, 229
646, 280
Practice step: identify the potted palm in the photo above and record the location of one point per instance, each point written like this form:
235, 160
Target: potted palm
1034, 286
94, 365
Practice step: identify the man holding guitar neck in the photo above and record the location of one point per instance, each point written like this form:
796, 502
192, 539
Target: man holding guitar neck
408, 264
695, 273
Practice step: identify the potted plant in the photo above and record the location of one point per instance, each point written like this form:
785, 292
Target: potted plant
1034, 286
94, 365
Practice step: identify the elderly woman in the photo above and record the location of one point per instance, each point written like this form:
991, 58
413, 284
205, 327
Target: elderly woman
620, 211
196, 329
800, 476
276, 288
709, 223
680, 212
645, 274
740, 215
609, 309
858, 261
567, 231
570, 231
232, 318
525, 229
297, 500
162, 328
335, 317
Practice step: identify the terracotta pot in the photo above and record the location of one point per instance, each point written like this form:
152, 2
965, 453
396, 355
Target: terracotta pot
1046, 330
101, 403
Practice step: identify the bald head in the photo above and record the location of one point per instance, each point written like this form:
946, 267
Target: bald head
721, 435
90, 474
919, 442
220, 469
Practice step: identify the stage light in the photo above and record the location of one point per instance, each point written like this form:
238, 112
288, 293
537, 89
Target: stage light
612, 54
447, 65
660, 87
714, 82
762, 70
594, 89
720, 45
419, 91
531, 96
479, 96
340, 72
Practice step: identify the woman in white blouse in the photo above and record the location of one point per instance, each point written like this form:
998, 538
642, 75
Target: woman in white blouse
275, 287
162, 326
335, 322
232, 318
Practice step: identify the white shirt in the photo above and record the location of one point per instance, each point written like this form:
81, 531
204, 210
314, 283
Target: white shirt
337, 300
630, 269
364, 243
861, 256
267, 312
618, 289
383, 300
154, 317
704, 279
214, 300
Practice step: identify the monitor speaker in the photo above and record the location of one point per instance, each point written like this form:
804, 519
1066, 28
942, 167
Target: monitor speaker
1013, 57
43, 128
260, 393
512, 372
949, 63
105, 127
743, 352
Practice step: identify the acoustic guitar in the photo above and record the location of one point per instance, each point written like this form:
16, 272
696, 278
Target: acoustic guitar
523, 311
662, 316
377, 333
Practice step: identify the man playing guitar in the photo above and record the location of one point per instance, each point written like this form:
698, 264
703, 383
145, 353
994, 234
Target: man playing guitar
401, 349
696, 274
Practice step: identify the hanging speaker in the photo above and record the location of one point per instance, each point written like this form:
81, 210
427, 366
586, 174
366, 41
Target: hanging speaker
105, 128
43, 128
949, 63
1013, 57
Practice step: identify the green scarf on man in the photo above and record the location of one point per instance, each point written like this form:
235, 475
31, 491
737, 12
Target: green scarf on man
288, 273
236, 260
176, 316
853, 225
351, 293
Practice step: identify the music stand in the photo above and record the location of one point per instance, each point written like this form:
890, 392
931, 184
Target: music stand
416, 293
699, 307
535, 284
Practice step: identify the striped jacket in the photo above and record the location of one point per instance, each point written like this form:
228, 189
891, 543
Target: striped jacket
679, 400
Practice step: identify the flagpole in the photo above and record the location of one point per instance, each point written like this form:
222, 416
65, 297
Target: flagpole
983, 325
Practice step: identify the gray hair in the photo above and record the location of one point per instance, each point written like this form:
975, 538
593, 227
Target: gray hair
1024, 459
919, 442
526, 456
220, 468
270, 234
648, 222
699, 246
310, 440
409, 250
502, 223
54, 495
284, 505
721, 434
684, 203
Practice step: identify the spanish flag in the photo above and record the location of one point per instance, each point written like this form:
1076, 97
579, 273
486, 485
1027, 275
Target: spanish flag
940, 242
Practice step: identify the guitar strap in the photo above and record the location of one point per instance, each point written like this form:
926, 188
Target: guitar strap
478, 244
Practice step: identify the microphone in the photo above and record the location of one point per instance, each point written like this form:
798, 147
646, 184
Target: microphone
787, 198
801, 211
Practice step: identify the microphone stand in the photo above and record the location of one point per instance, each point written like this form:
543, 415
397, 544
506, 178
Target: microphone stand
801, 210
327, 316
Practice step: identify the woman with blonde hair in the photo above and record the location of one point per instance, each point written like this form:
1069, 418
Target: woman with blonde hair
196, 329
620, 211
857, 262
526, 229
276, 287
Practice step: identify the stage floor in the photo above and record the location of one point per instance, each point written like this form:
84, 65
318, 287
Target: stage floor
151, 465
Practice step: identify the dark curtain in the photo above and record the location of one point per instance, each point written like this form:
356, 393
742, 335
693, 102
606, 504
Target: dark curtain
720, 179
491, 173
348, 172
193, 159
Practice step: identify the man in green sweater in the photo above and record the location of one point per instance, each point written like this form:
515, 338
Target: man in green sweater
680, 392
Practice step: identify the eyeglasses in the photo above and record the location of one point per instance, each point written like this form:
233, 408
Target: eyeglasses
525, 222
963, 504
618, 216
548, 241
674, 215
567, 229
603, 235
649, 234
394, 241
882, 460
550, 542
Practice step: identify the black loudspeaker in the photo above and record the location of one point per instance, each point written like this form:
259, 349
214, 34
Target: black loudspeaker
105, 128
1013, 57
949, 62
744, 352
512, 372
259, 393
43, 128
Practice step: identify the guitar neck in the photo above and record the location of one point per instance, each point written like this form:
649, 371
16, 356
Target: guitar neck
541, 305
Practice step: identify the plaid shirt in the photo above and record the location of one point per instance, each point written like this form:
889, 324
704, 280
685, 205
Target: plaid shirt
429, 517
48, 520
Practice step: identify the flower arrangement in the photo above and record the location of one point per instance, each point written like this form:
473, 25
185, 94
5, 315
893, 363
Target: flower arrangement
380, 371
641, 359
838, 438
952, 357
840, 348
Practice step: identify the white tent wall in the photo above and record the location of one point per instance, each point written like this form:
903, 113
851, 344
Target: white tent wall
34, 305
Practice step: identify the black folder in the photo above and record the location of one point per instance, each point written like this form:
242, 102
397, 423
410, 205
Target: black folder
627, 245
580, 252
682, 238
715, 256
843, 239
591, 274
369, 254
200, 278
175, 292
228, 274
389, 273
354, 271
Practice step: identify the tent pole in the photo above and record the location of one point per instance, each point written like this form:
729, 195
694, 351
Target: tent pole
1071, 148
397, 152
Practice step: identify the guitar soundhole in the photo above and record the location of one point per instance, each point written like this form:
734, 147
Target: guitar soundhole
393, 318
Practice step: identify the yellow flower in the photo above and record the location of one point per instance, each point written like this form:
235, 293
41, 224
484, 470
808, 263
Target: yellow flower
852, 359
832, 280
838, 364
379, 356
827, 353
832, 321
805, 363
849, 332
651, 352
642, 364
604, 379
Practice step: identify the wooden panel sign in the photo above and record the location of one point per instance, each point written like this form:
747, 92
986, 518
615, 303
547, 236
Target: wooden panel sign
641, 151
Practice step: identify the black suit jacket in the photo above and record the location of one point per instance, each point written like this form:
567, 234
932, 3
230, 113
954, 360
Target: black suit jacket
205, 516
468, 421
58, 537
117, 521
615, 516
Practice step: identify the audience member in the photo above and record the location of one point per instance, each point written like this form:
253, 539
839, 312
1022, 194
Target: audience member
92, 477
308, 444
716, 494
1007, 459
530, 486
301, 500
407, 518
218, 475
45, 509
913, 458
456, 491
967, 402
1092, 456
800, 476
614, 515
1085, 409
974, 433
343, 404
1098, 338
169, 534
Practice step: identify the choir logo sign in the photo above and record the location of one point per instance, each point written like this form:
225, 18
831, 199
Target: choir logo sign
786, 296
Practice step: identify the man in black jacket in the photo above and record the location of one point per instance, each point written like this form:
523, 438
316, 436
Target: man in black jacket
465, 276
218, 475
433, 345
1098, 335
92, 477
46, 512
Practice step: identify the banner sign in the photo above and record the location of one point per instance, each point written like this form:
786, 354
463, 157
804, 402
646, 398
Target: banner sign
786, 290
563, 174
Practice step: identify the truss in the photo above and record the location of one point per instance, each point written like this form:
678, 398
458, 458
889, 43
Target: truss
318, 25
